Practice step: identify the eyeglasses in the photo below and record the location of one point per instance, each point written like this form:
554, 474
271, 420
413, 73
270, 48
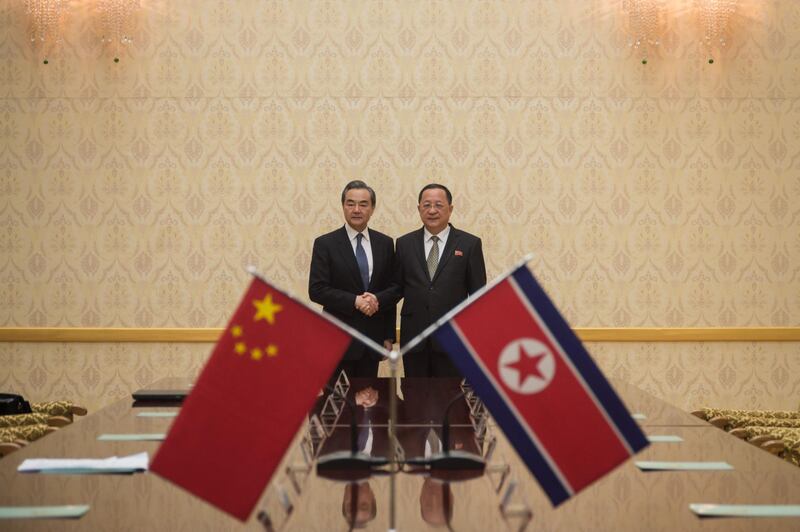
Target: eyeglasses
435, 206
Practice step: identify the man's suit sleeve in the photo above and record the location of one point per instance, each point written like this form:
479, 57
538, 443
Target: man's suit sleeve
390, 299
391, 325
392, 294
320, 288
476, 269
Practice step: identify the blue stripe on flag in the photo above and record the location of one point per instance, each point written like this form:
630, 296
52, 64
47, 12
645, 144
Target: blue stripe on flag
573, 348
514, 431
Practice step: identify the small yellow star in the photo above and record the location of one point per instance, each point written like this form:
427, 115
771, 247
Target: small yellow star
256, 353
236, 331
272, 350
266, 309
240, 348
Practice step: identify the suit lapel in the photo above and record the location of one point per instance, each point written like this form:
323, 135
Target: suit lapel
348, 257
449, 248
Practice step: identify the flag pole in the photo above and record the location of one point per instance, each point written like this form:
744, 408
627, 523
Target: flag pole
394, 467
369, 342
464, 304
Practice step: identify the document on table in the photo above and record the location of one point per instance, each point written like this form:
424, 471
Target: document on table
85, 466
745, 510
71, 511
683, 466
664, 438
131, 437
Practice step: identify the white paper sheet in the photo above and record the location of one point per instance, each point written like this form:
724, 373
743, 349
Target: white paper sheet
114, 464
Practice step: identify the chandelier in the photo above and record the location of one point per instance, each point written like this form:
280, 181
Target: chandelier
117, 23
714, 17
46, 20
643, 20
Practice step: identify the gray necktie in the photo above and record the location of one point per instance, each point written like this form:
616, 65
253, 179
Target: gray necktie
361, 259
433, 256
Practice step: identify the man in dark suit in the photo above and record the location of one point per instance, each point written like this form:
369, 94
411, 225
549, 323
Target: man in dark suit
350, 265
421, 415
436, 268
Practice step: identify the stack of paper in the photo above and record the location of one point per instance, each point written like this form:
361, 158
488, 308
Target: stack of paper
683, 466
73, 511
132, 437
746, 510
114, 464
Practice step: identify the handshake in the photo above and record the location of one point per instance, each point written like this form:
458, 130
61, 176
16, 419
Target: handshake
367, 303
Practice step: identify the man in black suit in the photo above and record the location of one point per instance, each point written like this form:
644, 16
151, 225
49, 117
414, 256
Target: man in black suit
436, 268
350, 265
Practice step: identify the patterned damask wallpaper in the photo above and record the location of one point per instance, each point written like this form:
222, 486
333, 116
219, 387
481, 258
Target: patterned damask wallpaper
134, 193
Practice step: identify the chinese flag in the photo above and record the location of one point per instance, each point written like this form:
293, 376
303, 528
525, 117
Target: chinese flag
250, 399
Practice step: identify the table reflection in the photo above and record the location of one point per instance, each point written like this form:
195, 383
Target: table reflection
362, 428
420, 414
358, 504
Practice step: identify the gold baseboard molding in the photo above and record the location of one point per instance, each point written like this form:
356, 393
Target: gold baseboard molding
587, 334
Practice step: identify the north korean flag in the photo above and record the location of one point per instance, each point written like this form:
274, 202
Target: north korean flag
540, 385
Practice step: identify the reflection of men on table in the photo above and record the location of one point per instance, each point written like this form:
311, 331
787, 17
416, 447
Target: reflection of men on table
349, 268
372, 419
436, 502
358, 501
424, 404
437, 267
421, 413
358, 504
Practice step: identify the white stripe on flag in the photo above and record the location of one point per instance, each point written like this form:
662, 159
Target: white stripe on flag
521, 420
543, 326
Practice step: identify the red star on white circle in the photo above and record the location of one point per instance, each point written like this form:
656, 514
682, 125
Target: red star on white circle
526, 366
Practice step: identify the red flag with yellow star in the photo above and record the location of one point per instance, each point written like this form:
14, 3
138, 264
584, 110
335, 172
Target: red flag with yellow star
250, 399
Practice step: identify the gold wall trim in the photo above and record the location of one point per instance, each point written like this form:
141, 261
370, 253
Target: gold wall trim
689, 334
107, 335
587, 334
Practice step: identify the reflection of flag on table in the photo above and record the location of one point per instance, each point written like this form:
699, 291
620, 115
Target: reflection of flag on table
541, 386
256, 388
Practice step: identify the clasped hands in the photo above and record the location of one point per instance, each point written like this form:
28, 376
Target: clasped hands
367, 303
368, 397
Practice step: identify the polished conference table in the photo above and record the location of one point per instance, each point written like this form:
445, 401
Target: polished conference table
500, 499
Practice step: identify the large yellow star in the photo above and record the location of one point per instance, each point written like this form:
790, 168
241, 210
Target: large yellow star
266, 309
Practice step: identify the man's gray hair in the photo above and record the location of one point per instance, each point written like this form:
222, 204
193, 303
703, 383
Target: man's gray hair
356, 185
